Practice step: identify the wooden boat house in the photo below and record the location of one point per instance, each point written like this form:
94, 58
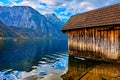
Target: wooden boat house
95, 34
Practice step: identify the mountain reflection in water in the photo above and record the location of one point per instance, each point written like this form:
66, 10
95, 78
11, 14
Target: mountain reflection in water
23, 54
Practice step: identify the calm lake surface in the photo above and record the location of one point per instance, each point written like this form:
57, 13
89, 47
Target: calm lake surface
48, 59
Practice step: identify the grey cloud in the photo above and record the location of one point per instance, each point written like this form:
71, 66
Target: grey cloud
72, 6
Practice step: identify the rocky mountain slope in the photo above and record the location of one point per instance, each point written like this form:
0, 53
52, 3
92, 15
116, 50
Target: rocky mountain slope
6, 31
30, 23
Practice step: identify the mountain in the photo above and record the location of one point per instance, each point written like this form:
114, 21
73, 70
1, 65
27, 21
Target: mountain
54, 20
30, 23
58, 24
6, 31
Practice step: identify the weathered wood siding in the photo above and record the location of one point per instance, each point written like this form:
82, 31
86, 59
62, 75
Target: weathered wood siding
100, 43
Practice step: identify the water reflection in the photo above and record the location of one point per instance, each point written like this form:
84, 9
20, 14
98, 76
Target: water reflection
21, 55
91, 70
1, 44
48, 60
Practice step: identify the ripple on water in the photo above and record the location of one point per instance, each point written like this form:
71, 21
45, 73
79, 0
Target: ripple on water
51, 66
42, 74
42, 62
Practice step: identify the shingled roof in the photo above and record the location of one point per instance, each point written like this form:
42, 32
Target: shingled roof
109, 15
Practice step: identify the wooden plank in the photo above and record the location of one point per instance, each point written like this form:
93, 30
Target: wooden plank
104, 44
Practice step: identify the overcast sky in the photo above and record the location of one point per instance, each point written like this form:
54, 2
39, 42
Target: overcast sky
62, 8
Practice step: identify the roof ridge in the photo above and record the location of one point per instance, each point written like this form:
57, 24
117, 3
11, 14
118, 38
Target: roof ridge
109, 15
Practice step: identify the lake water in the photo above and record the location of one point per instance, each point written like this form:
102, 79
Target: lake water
47, 59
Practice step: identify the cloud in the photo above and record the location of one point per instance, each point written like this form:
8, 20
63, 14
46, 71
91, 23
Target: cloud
84, 3
75, 7
63, 8
1, 4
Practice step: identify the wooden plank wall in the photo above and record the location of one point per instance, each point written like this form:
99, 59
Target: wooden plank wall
103, 43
